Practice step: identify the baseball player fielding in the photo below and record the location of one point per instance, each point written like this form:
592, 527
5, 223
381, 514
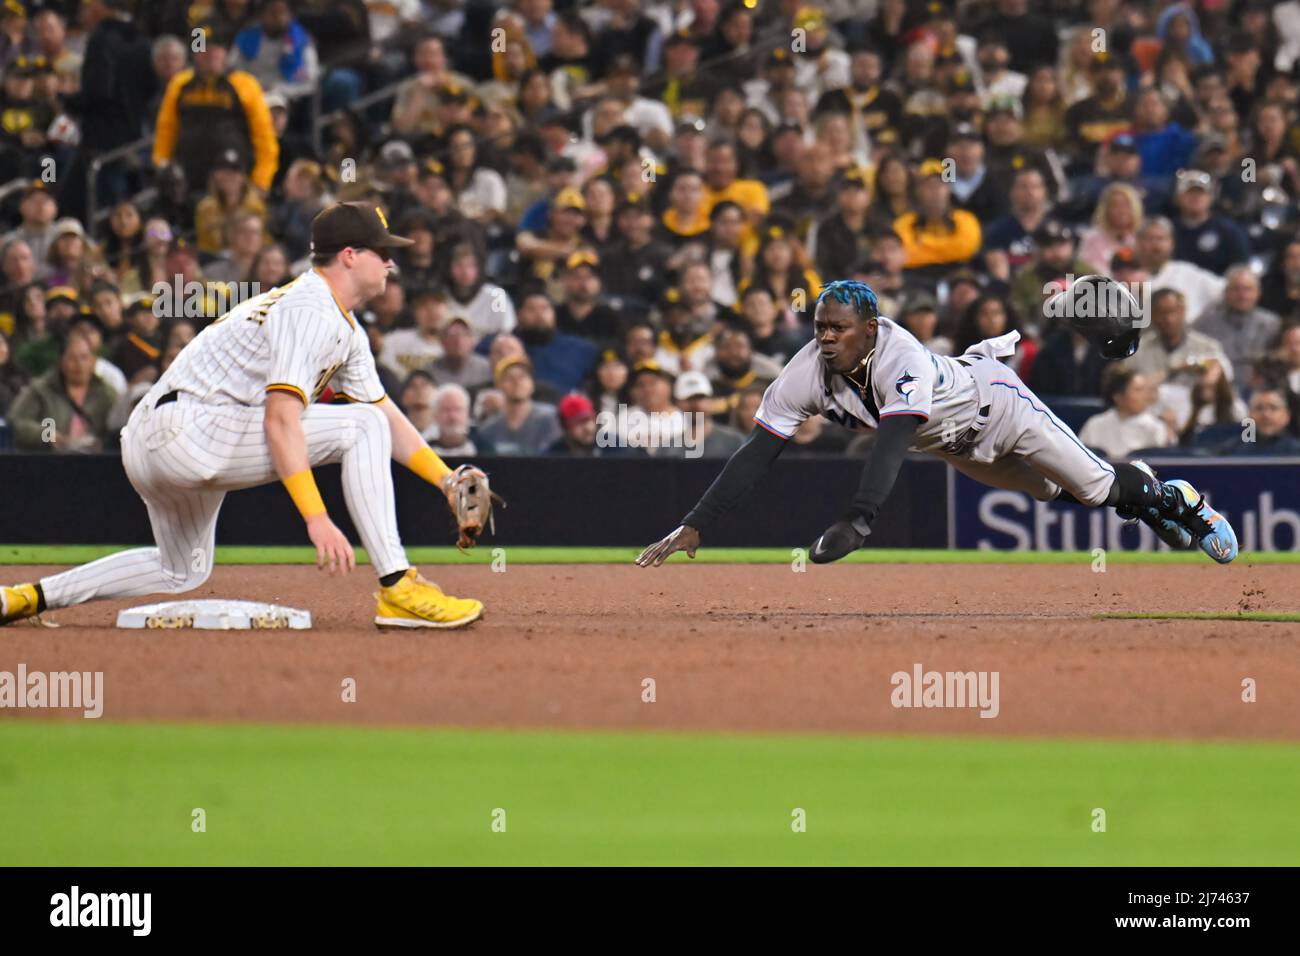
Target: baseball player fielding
236, 409
863, 370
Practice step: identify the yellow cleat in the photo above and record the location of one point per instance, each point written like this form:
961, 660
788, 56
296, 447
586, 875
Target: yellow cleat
17, 602
415, 602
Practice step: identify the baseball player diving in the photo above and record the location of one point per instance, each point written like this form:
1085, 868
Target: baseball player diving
236, 409
863, 370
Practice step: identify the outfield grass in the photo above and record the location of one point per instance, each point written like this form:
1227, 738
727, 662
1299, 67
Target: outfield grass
484, 554
123, 794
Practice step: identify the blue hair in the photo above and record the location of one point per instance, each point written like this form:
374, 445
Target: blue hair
854, 293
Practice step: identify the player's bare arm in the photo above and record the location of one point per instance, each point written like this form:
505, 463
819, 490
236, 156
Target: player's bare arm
288, 446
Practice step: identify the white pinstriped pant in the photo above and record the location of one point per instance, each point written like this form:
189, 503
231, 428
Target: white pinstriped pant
182, 458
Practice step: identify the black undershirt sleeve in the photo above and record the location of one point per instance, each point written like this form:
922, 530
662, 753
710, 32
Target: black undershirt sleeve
741, 472
893, 437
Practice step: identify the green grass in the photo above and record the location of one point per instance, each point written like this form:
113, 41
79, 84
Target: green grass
1198, 616
78, 554
80, 793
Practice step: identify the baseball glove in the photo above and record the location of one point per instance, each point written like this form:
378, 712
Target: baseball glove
470, 498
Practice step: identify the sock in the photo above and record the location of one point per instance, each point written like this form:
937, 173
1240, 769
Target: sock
388, 580
1134, 488
40, 599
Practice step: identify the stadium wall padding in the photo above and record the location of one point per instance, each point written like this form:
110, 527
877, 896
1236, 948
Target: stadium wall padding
75, 499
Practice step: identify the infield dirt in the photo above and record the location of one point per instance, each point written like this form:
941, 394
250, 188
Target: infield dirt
729, 647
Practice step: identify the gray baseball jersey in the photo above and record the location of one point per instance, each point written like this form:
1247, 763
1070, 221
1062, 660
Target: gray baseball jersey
975, 413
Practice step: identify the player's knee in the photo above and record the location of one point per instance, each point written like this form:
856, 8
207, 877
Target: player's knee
180, 580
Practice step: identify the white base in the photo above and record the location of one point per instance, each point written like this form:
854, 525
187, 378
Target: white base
214, 615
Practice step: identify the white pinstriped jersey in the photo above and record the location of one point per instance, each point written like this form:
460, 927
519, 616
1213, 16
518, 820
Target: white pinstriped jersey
295, 338
905, 377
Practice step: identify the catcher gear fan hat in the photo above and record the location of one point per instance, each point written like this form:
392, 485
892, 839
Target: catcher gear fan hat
356, 224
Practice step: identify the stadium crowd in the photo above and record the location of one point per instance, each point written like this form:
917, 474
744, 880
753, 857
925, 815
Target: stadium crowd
629, 206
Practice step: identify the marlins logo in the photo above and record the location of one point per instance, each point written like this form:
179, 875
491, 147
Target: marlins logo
904, 385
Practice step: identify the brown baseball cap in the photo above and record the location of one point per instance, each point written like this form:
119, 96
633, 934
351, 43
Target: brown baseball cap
360, 225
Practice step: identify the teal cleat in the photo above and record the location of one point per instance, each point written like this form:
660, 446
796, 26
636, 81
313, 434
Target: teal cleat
1210, 529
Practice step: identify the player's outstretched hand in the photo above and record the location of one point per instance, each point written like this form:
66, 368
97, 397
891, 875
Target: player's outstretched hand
333, 552
685, 538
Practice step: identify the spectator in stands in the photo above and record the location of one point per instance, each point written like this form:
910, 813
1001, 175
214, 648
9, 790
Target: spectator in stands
417, 400
839, 242
1155, 249
579, 436
1094, 119
415, 110
87, 326
523, 427
451, 408
306, 193
735, 365
168, 56
988, 317
640, 340
1246, 331
1201, 236
724, 253
1172, 354
12, 378
650, 118
51, 31
937, 234
760, 318
1120, 164
149, 266
609, 381
746, 407
781, 267
1008, 241
694, 396
212, 109
66, 409
125, 239
544, 254
245, 239
1214, 405
812, 195
687, 215
697, 291
278, 51
581, 311
43, 321
653, 422
271, 268
138, 353
599, 231
1042, 108
1128, 424
1280, 288
71, 258
38, 209
1051, 261
1067, 364
974, 188
27, 116
459, 364
1271, 414
229, 194
411, 350
562, 361
685, 341
921, 317
892, 195
480, 191
485, 305
106, 307
1114, 227
1291, 357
